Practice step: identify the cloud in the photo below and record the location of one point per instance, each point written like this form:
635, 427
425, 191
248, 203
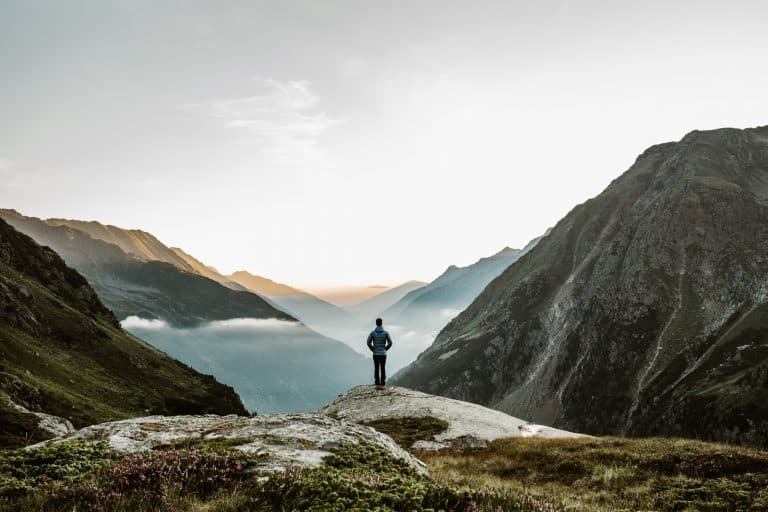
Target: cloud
282, 116
135, 322
234, 324
266, 324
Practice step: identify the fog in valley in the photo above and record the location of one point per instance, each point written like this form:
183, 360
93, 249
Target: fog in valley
274, 365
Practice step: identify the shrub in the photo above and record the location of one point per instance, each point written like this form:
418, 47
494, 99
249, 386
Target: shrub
150, 478
22, 471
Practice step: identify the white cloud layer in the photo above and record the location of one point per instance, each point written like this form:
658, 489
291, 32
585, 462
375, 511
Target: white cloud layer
135, 322
234, 324
268, 324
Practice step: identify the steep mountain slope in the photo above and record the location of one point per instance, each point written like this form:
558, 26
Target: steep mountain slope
63, 352
431, 307
150, 289
206, 270
376, 305
134, 242
275, 363
644, 311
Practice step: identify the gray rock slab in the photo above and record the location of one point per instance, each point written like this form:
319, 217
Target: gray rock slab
302, 440
468, 424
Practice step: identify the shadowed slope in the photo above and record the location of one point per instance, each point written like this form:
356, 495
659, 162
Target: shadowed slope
643, 312
149, 289
63, 352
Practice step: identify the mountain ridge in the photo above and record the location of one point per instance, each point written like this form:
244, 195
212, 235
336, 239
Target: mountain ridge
640, 313
144, 288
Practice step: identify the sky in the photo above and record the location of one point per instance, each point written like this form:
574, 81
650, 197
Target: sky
344, 143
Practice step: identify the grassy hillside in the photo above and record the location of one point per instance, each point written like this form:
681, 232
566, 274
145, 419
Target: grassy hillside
610, 474
63, 352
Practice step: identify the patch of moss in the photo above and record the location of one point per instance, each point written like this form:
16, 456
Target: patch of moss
406, 431
22, 471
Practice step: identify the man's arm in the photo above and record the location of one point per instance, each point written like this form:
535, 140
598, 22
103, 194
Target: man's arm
389, 343
370, 342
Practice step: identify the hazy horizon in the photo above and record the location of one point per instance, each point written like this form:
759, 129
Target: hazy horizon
347, 144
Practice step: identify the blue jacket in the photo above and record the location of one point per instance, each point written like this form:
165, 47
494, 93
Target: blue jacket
379, 341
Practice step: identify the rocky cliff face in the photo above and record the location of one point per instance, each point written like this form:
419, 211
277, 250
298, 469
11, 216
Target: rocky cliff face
643, 312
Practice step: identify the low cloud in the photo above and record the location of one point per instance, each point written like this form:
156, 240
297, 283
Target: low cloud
135, 322
265, 324
218, 326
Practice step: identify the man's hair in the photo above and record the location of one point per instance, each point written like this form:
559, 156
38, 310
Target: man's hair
378, 321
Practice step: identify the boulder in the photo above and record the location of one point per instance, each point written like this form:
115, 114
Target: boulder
469, 425
284, 440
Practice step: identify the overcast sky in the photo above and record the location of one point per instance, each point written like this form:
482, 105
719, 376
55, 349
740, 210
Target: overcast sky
355, 142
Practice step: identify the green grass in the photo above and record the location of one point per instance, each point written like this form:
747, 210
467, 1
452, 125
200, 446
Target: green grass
406, 431
609, 474
518, 474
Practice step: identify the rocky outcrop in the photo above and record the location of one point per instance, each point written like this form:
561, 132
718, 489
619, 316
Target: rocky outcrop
283, 440
643, 312
467, 424
50, 425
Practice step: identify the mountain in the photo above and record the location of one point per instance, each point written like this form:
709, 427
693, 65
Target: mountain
64, 353
346, 296
320, 315
430, 307
643, 312
206, 270
137, 287
134, 242
417, 317
376, 305
275, 365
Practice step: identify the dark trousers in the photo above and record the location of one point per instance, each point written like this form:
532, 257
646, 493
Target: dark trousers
379, 374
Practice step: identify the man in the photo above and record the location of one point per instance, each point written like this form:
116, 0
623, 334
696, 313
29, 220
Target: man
379, 342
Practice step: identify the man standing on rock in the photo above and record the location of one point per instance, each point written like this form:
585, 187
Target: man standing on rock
379, 342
